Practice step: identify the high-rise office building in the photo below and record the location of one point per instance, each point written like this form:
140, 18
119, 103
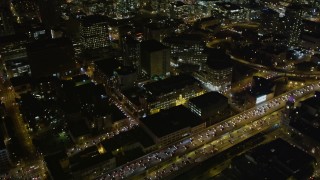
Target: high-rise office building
293, 22
155, 58
130, 51
94, 32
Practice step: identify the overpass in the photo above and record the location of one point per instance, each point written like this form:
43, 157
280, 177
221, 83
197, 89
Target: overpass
142, 164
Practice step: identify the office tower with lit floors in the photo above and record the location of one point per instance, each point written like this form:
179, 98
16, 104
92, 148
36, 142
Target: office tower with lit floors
293, 26
94, 32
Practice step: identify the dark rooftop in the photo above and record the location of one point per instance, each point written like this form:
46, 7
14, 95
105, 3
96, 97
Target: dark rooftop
209, 99
125, 70
79, 128
13, 38
116, 113
93, 19
152, 45
50, 56
170, 84
275, 49
87, 158
107, 66
20, 80
127, 138
53, 164
171, 120
274, 160
283, 153
219, 64
81, 77
184, 38
313, 102
2, 145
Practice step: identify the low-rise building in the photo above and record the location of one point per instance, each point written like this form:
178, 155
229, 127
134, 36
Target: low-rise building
172, 91
171, 125
91, 163
217, 71
208, 105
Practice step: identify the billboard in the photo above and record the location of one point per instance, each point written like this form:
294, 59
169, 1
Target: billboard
261, 99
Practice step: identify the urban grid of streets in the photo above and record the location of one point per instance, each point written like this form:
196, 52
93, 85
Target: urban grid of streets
214, 136
247, 121
187, 152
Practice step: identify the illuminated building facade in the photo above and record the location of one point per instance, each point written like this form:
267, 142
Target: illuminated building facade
208, 104
94, 32
186, 48
218, 74
18, 67
173, 91
261, 90
232, 11
123, 8
293, 22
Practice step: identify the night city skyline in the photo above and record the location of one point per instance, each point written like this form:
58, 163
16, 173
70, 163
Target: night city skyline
160, 89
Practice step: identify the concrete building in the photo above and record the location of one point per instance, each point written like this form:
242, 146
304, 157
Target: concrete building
208, 105
18, 67
186, 48
293, 23
171, 125
173, 91
91, 163
217, 71
155, 58
261, 90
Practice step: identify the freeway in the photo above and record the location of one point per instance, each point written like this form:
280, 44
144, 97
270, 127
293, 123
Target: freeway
281, 72
152, 159
210, 149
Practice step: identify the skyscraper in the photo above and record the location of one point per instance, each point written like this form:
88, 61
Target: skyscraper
293, 22
94, 32
155, 58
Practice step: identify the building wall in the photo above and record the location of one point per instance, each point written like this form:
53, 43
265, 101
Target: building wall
96, 170
4, 160
94, 36
220, 79
156, 63
175, 98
